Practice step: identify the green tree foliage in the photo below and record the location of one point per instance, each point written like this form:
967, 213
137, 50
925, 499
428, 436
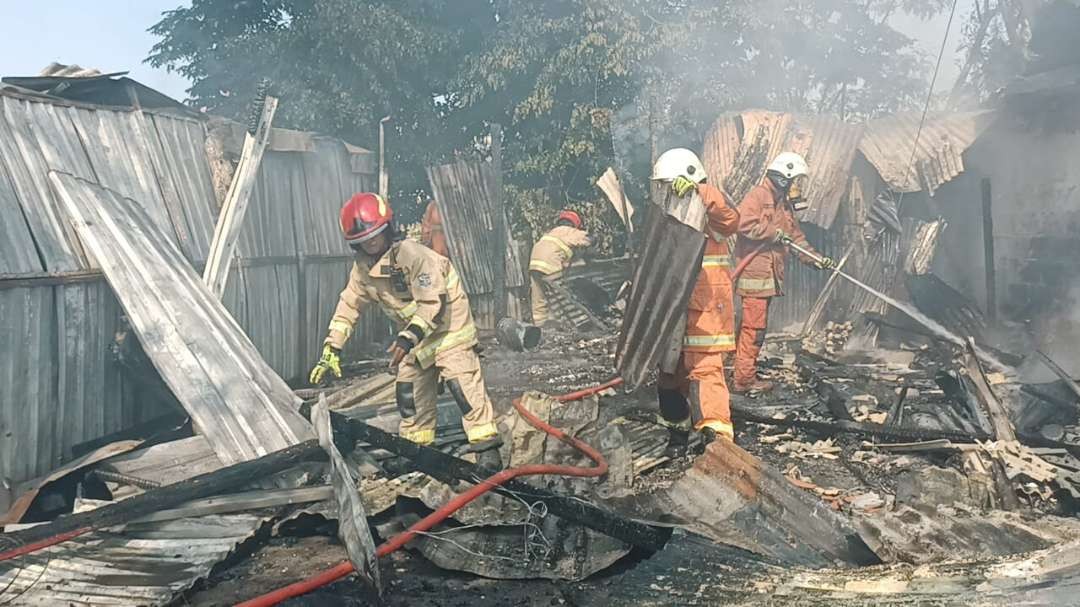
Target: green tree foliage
567, 79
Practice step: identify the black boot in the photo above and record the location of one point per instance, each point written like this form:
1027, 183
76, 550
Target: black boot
678, 442
708, 435
489, 459
487, 453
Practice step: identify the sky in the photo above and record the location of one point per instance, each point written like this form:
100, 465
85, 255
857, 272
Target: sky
111, 35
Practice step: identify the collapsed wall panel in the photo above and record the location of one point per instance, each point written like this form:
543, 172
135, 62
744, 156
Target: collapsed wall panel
235, 399
662, 283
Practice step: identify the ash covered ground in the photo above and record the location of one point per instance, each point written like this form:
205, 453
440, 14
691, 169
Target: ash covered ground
842, 470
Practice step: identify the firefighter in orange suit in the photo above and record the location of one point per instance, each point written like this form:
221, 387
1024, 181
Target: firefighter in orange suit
421, 291
551, 255
431, 230
697, 392
767, 216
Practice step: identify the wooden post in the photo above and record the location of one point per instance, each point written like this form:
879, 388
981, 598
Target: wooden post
384, 176
227, 229
498, 223
988, 252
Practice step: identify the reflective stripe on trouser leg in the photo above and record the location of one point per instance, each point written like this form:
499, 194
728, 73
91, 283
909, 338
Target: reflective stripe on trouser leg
461, 368
710, 400
755, 318
419, 427
536, 297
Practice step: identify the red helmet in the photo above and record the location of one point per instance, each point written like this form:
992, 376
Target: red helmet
570, 216
364, 216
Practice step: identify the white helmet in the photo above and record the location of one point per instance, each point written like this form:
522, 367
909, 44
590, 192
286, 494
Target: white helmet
790, 165
678, 162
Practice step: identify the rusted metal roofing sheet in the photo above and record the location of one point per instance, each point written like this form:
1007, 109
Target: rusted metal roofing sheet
739, 147
467, 206
235, 399
664, 277
145, 564
889, 143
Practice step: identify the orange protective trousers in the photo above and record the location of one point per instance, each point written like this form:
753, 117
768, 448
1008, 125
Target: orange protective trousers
711, 407
755, 318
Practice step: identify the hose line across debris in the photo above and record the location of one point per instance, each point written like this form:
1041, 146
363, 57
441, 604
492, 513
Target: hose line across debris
446, 511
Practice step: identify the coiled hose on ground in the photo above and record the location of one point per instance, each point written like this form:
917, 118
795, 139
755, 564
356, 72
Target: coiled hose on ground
339, 571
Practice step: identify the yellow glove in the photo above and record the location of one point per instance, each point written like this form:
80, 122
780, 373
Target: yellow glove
331, 359
781, 237
827, 263
682, 186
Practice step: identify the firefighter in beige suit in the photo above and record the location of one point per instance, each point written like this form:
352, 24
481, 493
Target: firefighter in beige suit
550, 256
421, 291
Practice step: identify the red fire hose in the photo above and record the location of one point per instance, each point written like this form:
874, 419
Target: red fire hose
746, 261
339, 571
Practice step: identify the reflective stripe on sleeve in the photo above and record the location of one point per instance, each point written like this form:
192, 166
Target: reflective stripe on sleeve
450, 340
543, 267
565, 248
341, 327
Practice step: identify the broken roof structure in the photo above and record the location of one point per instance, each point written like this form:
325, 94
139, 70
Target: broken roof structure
67, 386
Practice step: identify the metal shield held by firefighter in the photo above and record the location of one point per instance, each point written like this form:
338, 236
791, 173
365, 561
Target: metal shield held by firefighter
668, 266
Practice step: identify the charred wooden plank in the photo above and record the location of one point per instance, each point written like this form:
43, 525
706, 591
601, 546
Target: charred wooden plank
171, 496
991, 405
846, 427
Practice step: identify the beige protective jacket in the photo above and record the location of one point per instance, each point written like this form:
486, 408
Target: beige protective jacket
414, 286
555, 250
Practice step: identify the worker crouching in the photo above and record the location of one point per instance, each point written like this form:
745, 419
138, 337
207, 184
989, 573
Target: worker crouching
421, 291
696, 393
767, 223
550, 256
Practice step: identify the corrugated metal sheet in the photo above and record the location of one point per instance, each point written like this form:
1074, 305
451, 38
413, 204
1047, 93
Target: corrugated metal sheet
185, 167
159, 160
26, 168
889, 143
739, 147
243, 408
90, 399
145, 564
18, 254
27, 388
120, 158
466, 205
660, 293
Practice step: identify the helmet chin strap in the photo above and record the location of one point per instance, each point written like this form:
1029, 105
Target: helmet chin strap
782, 183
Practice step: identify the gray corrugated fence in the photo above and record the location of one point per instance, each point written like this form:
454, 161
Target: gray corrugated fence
59, 382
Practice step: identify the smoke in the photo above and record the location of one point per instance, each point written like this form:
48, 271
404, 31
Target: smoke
1061, 332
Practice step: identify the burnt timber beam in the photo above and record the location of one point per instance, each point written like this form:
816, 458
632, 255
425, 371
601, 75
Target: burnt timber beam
846, 427
1061, 373
446, 467
990, 403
